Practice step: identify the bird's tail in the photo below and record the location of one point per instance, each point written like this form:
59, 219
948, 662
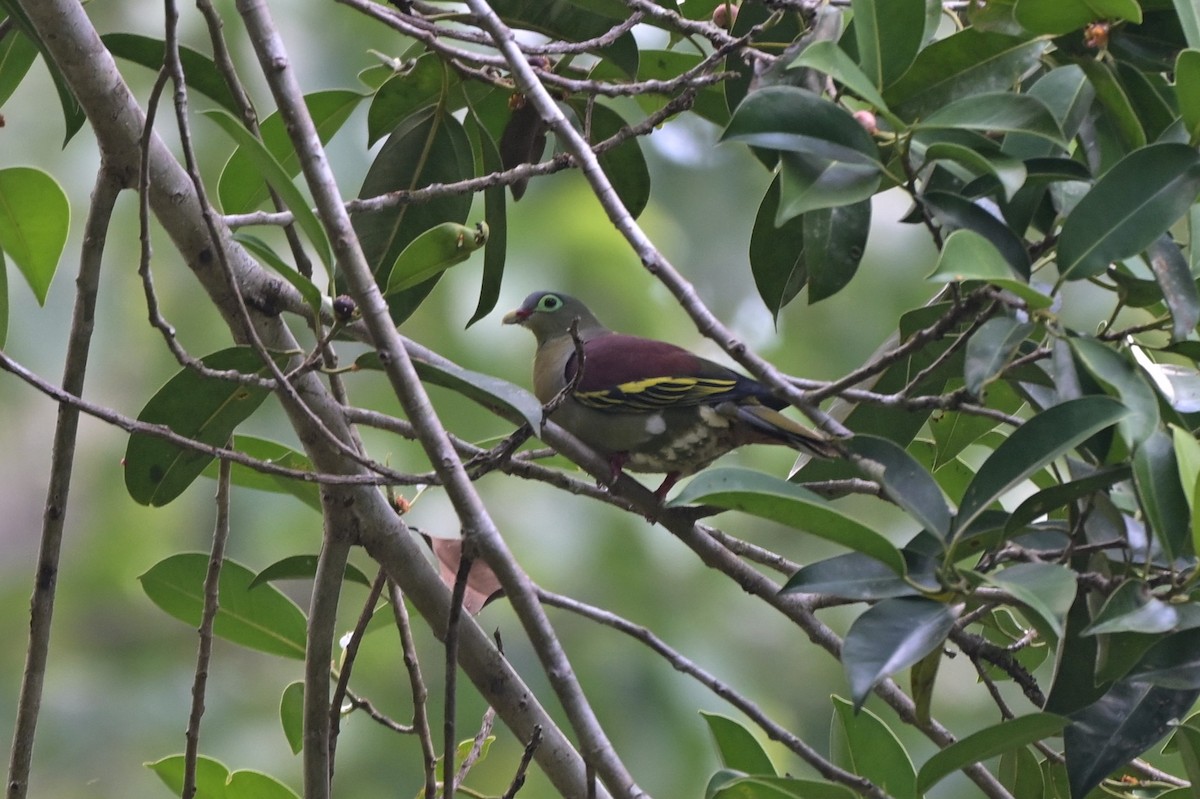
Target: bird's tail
768, 426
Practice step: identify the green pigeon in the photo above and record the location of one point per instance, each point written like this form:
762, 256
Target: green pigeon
646, 405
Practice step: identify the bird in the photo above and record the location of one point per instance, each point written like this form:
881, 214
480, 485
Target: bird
648, 405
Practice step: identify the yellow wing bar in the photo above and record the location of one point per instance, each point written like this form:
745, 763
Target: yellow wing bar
656, 393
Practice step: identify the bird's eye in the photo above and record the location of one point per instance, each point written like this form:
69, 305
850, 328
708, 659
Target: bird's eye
550, 303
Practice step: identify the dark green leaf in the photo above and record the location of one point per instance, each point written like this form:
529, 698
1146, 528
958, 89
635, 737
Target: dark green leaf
259, 618
1121, 725
890, 636
963, 64
1187, 91
967, 255
72, 111
997, 112
771, 498
1047, 589
862, 743
987, 743
429, 147
1132, 608
1131, 387
957, 212
624, 164
834, 242
241, 188
825, 56
954, 431
278, 455
1063, 16
1010, 173
1048, 435
200, 408
990, 348
495, 212
809, 183
35, 216
778, 259
737, 747
1061, 495
798, 121
889, 33
904, 480
270, 170
214, 780
1020, 773
1115, 100
291, 715
17, 54
1173, 662
572, 22
303, 567
1156, 476
405, 93
858, 576
735, 785
199, 70
1129, 207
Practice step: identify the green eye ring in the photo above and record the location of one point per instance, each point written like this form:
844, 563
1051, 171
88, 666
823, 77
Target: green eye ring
550, 302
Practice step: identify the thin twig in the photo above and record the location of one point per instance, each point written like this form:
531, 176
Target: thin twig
518, 779
420, 694
212, 603
350, 653
449, 740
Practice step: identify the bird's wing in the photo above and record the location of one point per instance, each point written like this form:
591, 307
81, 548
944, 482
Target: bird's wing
629, 373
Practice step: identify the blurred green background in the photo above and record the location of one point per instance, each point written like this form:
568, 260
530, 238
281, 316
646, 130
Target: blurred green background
118, 687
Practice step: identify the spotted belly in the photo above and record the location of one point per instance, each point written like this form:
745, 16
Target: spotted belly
686, 449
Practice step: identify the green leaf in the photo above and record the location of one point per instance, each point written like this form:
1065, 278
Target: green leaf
291, 715
961, 65
798, 121
1156, 476
241, 188
303, 567
990, 348
997, 112
854, 575
834, 242
200, 408
272, 172
1130, 206
987, 743
279, 455
1020, 773
569, 21
967, 255
771, 498
737, 747
1189, 20
433, 252
778, 259
427, 148
495, 212
214, 780
1061, 495
862, 743
260, 618
1131, 387
1132, 608
424, 84
825, 56
890, 636
17, 54
1119, 108
904, 480
1047, 589
889, 34
72, 111
3, 300
34, 219
1064, 16
1121, 725
624, 164
809, 183
501, 397
1048, 435
1009, 172
957, 212
199, 70
1172, 662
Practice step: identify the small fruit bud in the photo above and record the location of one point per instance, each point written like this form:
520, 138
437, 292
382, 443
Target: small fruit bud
867, 120
1095, 35
345, 309
725, 15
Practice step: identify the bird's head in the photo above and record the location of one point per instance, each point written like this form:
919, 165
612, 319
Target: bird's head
549, 314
